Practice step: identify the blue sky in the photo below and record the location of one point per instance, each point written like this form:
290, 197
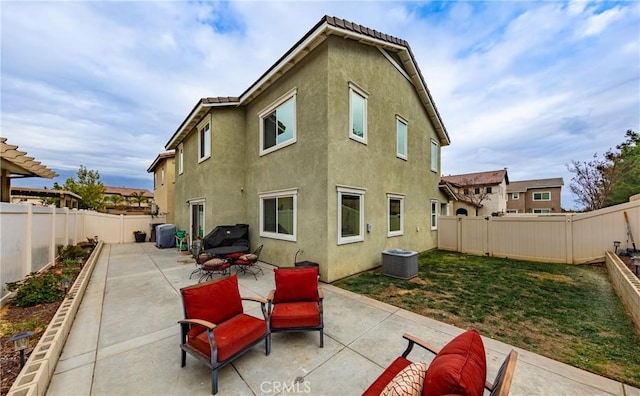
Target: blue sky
525, 85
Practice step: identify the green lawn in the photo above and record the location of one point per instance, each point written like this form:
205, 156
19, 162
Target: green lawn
568, 313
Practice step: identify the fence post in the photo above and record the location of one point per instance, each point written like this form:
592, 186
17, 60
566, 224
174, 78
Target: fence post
52, 241
488, 251
459, 233
569, 239
121, 228
66, 227
28, 240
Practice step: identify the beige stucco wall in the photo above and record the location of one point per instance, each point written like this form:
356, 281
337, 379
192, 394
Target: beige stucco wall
219, 179
164, 193
322, 158
374, 166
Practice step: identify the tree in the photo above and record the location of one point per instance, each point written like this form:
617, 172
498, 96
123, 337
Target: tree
88, 186
629, 158
473, 193
138, 197
608, 180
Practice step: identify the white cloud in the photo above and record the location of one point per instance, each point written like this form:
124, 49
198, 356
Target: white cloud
523, 85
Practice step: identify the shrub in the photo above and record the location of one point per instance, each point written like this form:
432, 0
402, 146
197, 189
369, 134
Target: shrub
37, 288
71, 252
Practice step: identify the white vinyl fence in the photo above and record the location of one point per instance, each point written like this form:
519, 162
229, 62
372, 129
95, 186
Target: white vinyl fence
567, 238
30, 235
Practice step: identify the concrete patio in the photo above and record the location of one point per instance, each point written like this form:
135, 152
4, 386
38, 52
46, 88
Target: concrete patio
124, 341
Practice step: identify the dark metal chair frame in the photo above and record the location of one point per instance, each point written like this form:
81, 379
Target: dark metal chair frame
319, 328
212, 362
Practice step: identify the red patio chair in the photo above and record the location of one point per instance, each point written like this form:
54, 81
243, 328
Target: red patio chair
216, 330
296, 303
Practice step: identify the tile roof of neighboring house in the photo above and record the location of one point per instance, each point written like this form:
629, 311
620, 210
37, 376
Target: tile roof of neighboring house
160, 158
478, 178
127, 192
524, 185
326, 27
18, 163
40, 192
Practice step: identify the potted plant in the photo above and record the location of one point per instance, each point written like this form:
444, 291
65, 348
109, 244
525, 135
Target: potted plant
140, 236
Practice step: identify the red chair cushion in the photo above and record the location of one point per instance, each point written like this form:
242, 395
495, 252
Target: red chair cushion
387, 376
295, 314
234, 256
215, 301
296, 284
231, 336
459, 368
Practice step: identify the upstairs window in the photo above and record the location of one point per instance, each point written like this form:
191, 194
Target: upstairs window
278, 124
542, 196
515, 196
401, 138
204, 143
434, 156
489, 190
180, 159
357, 114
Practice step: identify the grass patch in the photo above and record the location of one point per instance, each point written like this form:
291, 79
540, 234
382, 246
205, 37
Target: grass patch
565, 312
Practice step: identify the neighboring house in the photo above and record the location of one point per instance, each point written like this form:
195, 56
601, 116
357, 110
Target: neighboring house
477, 194
45, 197
334, 153
16, 164
535, 196
164, 180
118, 199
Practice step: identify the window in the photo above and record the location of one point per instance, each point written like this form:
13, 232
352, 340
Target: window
350, 215
512, 210
278, 124
434, 156
515, 196
465, 191
278, 214
489, 190
542, 211
542, 196
204, 143
401, 138
162, 176
395, 215
476, 190
180, 159
434, 214
357, 114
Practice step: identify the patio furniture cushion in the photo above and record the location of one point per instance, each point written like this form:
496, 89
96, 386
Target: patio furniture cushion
459, 368
296, 284
248, 257
198, 300
214, 262
231, 336
234, 256
387, 376
408, 382
299, 314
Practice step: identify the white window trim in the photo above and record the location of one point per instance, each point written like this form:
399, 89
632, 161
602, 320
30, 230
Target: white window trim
403, 121
515, 196
533, 196
433, 215
434, 164
365, 95
162, 175
268, 110
180, 159
401, 231
350, 191
539, 211
206, 122
280, 194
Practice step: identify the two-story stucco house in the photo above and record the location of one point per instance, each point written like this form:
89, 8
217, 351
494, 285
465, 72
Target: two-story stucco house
535, 196
477, 194
163, 168
334, 152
